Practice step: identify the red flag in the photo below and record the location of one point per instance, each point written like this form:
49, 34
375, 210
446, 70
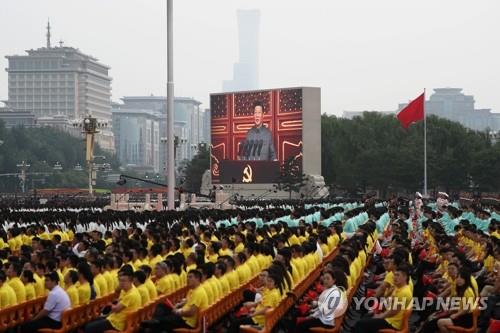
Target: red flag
413, 112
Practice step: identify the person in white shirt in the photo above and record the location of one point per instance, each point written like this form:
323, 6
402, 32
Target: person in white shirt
57, 302
332, 302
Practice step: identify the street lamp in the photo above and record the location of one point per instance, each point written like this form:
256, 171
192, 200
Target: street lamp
57, 166
23, 166
177, 142
90, 127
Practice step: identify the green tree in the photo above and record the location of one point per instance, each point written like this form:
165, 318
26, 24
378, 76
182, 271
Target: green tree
195, 168
42, 148
374, 151
291, 178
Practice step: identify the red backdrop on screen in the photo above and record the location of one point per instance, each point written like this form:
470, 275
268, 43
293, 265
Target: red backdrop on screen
232, 117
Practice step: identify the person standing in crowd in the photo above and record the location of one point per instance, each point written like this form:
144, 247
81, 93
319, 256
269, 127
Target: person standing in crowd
418, 204
442, 202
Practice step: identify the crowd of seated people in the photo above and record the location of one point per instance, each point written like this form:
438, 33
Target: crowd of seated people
92, 253
453, 261
73, 256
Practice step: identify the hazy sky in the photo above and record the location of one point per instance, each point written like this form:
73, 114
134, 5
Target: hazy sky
363, 54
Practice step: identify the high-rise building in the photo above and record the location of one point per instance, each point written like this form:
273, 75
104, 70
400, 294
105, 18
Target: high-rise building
137, 137
246, 70
206, 126
188, 123
60, 82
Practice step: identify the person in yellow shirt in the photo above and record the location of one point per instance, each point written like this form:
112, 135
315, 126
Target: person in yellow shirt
143, 257
399, 300
209, 268
239, 242
164, 284
39, 284
190, 262
187, 247
461, 316
7, 294
153, 294
387, 284
220, 274
298, 260
155, 255
185, 313
232, 275
212, 252
108, 267
174, 271
252, 261
206, 284
13, 272
100, 284
139, 283
225, 249
271, 298
86, 291
244, 272
127, 259
284, 256
136, 261
29, 284
70, 279
15, 239
323, 244
130, 300
293, 239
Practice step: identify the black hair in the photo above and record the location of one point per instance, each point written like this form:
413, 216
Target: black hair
140, 275
339, 277
405, 269
84, 270
29, 276
53, 276
258, 103
208, 269
196, 273
73, 276
465, 274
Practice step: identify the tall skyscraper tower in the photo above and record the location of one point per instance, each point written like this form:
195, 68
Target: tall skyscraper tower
246, 70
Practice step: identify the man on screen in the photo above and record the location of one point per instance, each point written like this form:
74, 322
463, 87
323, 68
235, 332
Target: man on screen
259, 144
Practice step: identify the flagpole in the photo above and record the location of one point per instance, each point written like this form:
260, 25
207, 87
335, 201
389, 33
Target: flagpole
425, 149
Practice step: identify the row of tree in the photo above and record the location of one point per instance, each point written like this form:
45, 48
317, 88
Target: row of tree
374, 151
43, 149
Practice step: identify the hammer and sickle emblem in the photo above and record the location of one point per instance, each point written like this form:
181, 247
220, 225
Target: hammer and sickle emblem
247, 174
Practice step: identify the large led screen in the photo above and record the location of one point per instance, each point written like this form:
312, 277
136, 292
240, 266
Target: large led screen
253, 133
